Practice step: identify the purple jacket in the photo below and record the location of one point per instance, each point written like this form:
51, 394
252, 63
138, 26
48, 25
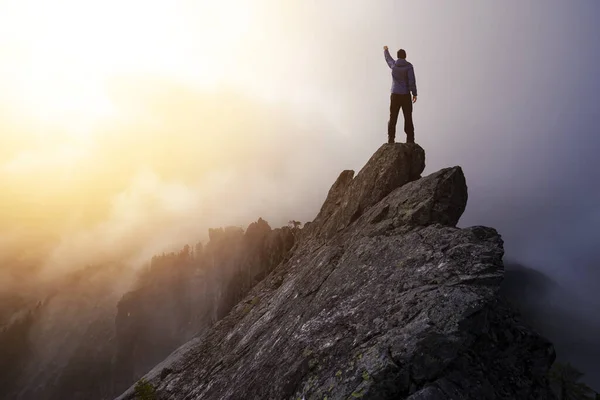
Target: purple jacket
403, 75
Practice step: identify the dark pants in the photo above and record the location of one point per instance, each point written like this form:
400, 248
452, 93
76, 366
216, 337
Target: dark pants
404, 102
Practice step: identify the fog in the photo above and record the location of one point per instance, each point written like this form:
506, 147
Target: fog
166, 186
507, 90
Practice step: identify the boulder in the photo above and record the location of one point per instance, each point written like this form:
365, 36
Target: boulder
392, 166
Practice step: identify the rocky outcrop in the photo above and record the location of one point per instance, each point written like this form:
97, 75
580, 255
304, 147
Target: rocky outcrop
389, 168
381, 298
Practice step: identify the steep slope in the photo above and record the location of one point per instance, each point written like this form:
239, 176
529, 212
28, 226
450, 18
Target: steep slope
382, 298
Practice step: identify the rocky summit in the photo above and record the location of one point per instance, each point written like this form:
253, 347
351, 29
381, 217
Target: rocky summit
381, 297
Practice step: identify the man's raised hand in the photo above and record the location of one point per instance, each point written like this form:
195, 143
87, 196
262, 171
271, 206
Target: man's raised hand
385, 47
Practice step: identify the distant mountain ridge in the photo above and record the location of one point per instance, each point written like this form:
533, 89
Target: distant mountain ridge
552, 310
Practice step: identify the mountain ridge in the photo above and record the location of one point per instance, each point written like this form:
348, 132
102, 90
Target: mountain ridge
381, 297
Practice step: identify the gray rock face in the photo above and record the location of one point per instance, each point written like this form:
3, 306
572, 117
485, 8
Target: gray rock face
389, 168
382, 298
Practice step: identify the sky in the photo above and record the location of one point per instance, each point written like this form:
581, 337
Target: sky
128, 128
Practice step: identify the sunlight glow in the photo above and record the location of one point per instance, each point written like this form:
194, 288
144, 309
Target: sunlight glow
59, 59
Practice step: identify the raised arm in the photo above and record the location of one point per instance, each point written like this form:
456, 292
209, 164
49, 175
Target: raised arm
388, 58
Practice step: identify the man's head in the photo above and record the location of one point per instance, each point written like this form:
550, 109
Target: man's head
401, 54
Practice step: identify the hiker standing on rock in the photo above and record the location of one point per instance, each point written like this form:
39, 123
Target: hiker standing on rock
403, 75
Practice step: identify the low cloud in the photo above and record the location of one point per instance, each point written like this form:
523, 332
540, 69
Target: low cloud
174, 163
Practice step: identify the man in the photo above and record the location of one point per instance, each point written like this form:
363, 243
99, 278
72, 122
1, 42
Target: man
404, 84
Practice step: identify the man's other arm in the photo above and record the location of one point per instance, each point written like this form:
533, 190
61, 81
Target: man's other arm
412, 82
388, 58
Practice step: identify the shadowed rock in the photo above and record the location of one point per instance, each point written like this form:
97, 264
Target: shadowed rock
382, 298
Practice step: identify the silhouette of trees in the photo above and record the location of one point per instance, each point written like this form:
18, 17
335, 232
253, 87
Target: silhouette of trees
564, 380
198, 250
15, 346
294, 224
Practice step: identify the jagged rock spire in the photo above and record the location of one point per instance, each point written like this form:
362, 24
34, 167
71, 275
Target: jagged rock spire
392, 166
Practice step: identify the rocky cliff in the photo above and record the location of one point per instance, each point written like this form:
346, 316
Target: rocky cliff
382, 297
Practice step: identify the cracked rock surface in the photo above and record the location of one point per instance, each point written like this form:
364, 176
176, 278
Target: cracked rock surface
381, 298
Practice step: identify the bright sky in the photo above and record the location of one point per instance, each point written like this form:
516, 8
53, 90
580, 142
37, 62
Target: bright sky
58, 58
74, 74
